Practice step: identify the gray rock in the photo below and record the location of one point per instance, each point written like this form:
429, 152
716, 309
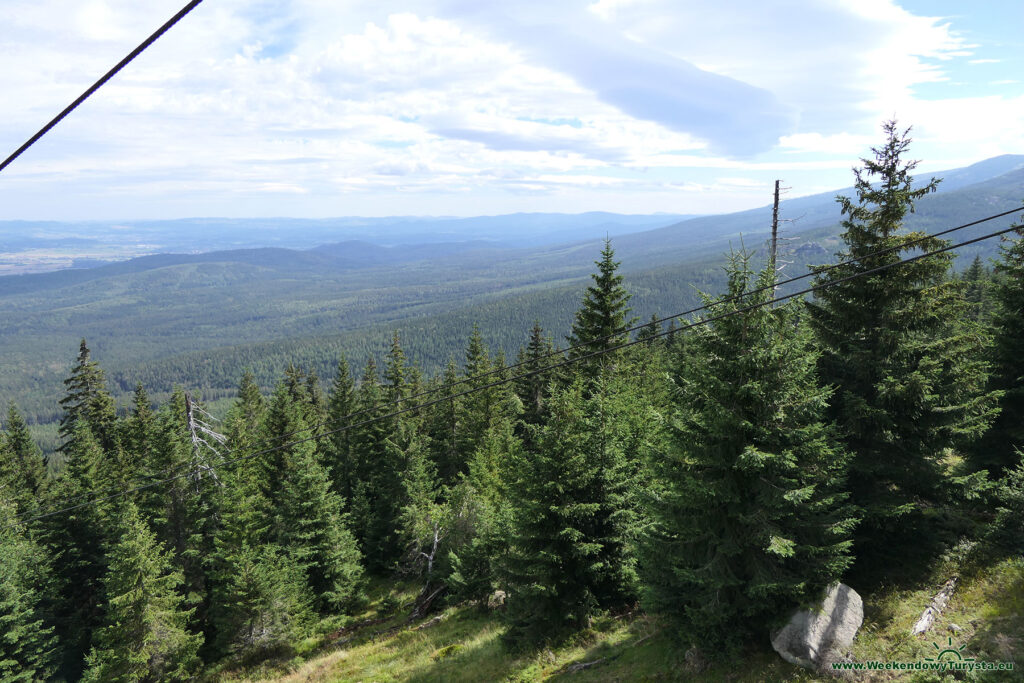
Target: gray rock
496, 600
812, 638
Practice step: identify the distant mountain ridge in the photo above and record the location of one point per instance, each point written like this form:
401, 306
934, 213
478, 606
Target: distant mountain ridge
45, 246
202, 318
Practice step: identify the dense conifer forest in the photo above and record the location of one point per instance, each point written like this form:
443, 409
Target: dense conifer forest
715, 474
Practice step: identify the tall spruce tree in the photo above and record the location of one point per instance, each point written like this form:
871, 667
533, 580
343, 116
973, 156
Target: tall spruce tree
77, 541
342, 404
87, 402
27, 645
308, 522
533, 388
475, 410
746, 509
378, 495
261, 594
901, 351
977, 281
603, 314
479, 515
183, 512
443, 426
137, 434
22, 468
568, 551
144, 635
998, 451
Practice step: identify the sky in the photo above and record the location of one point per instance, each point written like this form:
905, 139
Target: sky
319, 108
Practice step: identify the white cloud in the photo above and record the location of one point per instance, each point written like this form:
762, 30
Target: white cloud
840, 143
581, 103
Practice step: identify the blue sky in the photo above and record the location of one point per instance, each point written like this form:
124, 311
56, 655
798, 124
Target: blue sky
455, 107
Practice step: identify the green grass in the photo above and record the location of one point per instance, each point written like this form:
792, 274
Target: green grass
465, 643
985, 616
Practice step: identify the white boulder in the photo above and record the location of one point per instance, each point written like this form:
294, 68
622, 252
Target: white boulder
813, 638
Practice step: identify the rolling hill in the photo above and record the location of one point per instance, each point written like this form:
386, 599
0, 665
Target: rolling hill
199, 319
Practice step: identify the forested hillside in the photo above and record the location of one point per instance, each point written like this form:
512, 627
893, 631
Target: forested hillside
201, 319
713, 476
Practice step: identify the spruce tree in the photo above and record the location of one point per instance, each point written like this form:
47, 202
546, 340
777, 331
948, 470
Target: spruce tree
603, 314
443, 426
247, 410
78, 541
27, 645
22, 469
341, 405
747, 518
310, 526
901, 352
649, 332
305, 513
480, 515
138, 431
377, 489
977, 290
87, 402
261, 596
475, 410
183, 512
567, 553
533, 389
144, 635
998, 450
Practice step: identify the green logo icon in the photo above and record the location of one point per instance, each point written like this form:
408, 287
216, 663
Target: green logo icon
949, 653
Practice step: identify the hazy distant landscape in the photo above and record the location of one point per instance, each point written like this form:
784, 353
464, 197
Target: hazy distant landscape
42, 246
158, 318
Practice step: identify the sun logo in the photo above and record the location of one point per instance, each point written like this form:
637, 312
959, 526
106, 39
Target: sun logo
949, 654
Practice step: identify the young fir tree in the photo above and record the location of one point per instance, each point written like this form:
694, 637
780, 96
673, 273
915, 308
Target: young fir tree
603, 315
747, 517
480, 515
87, 402
243, 421
22, 469
317, 411
567, 549
144, 635
479, 510
998, 451
1006, 533
902, 353
27, 643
